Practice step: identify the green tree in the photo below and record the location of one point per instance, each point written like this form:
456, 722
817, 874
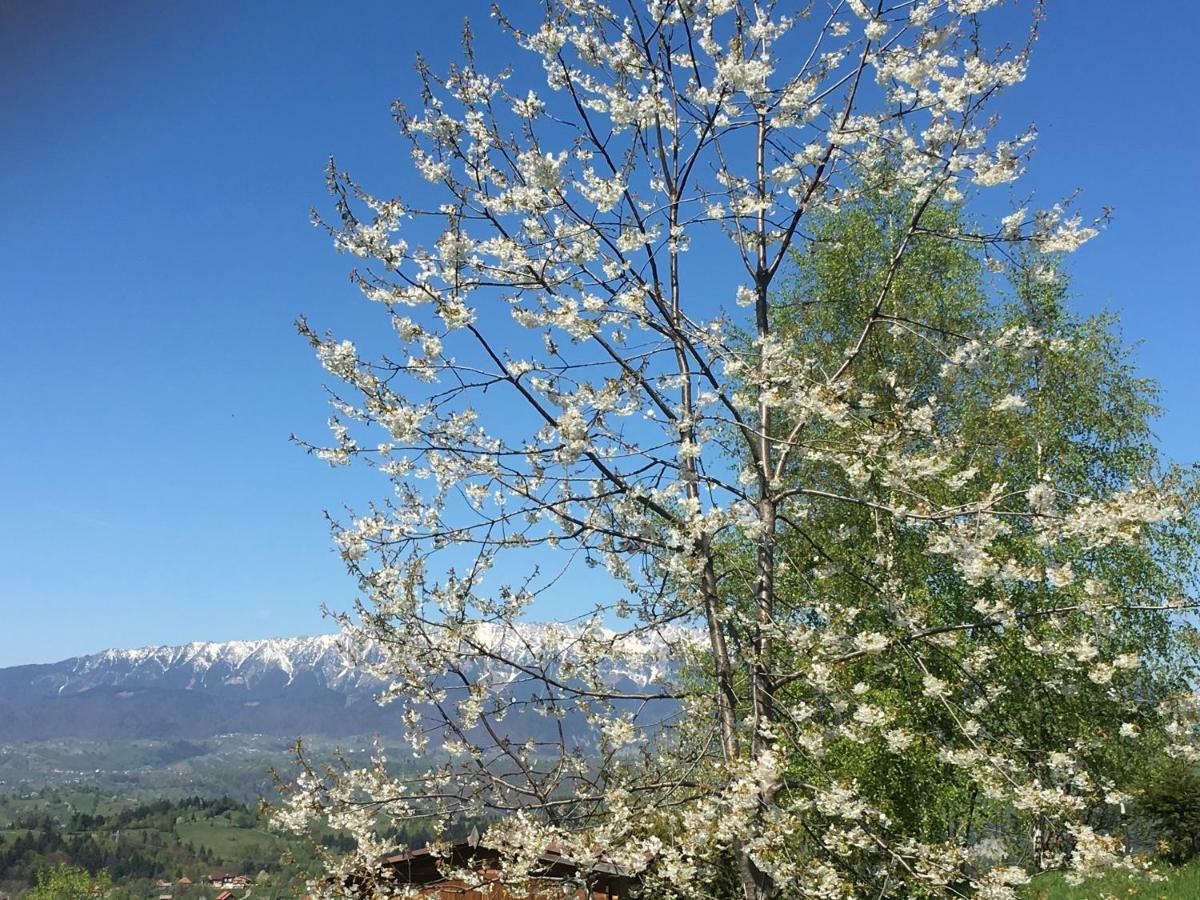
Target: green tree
1085, 418
1171, 802
67, 882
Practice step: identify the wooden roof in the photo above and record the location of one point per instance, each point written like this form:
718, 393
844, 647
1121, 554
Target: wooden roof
600, 881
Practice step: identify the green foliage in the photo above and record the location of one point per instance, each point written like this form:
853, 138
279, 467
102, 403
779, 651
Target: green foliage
1171, 802
66, 882
1087, 419
136, 845
1166, 883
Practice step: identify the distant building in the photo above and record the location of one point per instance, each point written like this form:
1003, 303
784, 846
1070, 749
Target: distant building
229, 880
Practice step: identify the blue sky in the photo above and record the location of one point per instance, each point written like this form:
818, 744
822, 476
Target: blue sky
157, 165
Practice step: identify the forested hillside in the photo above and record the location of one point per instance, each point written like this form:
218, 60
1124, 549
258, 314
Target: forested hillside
142, 843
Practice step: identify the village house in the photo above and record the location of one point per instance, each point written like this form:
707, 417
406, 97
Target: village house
229, 880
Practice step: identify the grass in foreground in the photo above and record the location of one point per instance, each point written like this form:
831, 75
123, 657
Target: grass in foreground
1182, 883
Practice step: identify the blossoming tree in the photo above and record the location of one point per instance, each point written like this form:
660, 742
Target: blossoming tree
596, 368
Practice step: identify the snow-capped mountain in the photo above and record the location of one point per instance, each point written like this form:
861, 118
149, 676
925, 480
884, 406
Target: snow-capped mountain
288, 686
250, 667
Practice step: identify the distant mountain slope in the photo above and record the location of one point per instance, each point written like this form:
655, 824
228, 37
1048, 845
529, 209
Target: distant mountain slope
285, 686
252, 668
289, 686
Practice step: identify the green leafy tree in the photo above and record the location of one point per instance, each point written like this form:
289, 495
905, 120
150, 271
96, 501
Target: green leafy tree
67, 882
1171, 802
1084, 419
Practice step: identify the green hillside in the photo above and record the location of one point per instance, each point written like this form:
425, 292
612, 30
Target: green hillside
142, 843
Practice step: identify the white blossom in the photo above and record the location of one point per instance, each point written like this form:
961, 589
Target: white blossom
800, 548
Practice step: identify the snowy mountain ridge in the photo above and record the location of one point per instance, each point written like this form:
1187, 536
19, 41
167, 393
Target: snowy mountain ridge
321, 660
229, 662
289, 686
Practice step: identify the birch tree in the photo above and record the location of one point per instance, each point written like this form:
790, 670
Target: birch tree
591, 366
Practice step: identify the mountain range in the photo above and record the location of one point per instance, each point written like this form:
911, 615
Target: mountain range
286, 686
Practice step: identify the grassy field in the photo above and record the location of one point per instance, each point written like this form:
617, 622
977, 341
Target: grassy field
1180, 884
228, 841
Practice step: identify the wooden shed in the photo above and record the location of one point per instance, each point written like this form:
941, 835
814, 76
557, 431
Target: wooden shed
555, 878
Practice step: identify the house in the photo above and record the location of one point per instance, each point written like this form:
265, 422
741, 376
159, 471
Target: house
225, 895
554, 875
228, 880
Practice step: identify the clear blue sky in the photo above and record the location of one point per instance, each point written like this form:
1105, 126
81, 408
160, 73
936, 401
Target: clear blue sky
157, 164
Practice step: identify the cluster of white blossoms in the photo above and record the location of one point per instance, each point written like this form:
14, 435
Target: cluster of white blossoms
592, 372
